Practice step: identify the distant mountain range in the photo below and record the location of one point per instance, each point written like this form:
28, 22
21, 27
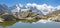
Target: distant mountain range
4, 8
19, 8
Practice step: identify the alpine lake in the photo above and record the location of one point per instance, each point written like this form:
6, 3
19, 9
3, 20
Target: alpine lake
29, 24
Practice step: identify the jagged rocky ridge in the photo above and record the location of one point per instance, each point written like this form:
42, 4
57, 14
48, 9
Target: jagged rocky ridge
18, 12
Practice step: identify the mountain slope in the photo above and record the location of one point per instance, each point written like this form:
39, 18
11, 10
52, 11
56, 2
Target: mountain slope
53, 14
4, 8
17, 8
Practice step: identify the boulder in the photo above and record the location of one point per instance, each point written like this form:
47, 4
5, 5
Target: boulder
8, 17
56, 18
1, 20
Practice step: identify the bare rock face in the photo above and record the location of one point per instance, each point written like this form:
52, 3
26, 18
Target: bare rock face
8, 17
1, 20
56, 18
29, 18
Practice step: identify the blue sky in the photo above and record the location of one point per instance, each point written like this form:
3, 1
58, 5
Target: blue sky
12, 2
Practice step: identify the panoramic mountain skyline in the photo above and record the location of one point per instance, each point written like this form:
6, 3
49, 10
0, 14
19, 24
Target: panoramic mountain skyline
44, 6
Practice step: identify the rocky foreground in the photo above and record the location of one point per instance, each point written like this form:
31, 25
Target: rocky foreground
56, 18
28, 15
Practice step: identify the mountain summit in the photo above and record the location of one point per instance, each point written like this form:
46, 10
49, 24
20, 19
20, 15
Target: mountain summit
42, 9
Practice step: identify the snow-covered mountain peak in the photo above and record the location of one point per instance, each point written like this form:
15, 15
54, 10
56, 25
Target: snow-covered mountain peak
18, 7
39, 8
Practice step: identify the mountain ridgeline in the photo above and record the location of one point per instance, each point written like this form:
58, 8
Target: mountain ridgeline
18, 12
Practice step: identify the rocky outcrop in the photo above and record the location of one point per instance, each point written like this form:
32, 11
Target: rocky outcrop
8, 17
56, 18
1, 20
